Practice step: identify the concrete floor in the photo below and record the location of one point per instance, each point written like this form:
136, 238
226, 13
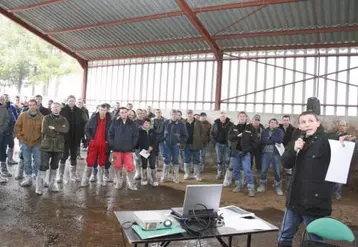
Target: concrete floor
84, 216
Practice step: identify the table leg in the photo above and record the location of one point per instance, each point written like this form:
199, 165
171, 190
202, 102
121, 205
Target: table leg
230, 241
223, 244
164, 244
248, 240
135, 245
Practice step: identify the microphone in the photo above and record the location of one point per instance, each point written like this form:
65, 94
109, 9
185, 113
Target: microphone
302, 136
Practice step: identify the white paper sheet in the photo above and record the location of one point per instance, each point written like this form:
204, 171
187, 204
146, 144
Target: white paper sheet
144, 153
341, 158
280, 148
243, 224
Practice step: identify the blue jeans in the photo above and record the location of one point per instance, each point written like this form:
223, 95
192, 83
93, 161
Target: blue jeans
337, 190
28, 153
161, 151
223, 156
191, 155
3, 144
267, 158
240, 161
290, 224
171, 153
203, 157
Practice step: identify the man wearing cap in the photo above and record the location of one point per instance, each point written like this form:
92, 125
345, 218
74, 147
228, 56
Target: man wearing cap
206, 138
256, 151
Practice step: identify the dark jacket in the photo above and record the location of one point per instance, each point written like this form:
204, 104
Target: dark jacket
76, 122
93, 124
13, 109
198, 134
173, 132
206, 127
123, 137
12, 121
215, 129
53, 140
148, 139
287, 134
276, 137
44, 111
85, 113
246, 142
115, 114
4, 119
157, 122
309, 193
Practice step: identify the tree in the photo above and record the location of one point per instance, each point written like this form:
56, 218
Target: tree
25, 57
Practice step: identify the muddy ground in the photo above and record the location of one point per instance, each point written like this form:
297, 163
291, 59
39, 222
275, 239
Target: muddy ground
84, 217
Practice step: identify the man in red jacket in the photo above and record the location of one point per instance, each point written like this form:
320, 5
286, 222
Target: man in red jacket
97, 130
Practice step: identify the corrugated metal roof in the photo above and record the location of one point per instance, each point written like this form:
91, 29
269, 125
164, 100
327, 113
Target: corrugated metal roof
281, 16
83, 12
9, 4
146, 31
273, 17
325, 38
148, 50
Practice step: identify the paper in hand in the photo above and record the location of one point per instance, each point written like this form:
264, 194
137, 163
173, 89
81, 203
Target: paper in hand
341, 158
280, 148
144, 153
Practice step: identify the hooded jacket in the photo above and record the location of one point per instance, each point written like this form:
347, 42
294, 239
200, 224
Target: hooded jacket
28, 128
53, 140
309, 194
219, 126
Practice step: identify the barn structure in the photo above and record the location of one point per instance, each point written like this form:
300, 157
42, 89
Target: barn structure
254, 55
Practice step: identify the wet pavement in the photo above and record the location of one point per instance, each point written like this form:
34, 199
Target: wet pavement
84, 216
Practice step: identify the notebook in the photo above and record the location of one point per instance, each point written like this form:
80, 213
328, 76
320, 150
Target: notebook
143, 234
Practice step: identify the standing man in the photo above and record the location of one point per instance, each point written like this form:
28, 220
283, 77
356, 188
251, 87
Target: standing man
206, 138
10, 140
150, 113
173, 134
130, 106
4, 128
287, 129
115, 112
43, 110
309, 196
54, 128
270, 137
157, 123
122, 138
193, 145
256, 151
219, 136
243, 139
137, 158
80, 104
98, 150
28, 131
74, 116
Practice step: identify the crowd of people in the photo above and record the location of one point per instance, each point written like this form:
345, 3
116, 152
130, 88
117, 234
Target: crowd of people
131, 141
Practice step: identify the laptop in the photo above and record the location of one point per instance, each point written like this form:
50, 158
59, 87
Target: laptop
208, 195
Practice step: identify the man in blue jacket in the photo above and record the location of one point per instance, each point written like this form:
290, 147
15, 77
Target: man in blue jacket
173, 134
13, 115
123, 138
270, 137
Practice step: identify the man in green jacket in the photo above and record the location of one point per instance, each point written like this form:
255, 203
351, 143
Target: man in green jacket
54, 127
193, 146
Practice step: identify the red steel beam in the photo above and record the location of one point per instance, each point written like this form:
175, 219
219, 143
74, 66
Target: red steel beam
84, 81
34, 6
288, 32
174, 13
219, 77
143, 44
14, 18
196, 52
226, 36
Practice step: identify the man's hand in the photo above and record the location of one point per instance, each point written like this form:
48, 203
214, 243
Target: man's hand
150, 149
346, 138
299, 144
239, 135
51, 127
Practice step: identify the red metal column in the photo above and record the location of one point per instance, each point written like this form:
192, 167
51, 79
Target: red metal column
84, 81
219, 77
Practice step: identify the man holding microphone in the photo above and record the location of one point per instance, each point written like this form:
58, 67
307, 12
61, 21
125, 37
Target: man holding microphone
309, 196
